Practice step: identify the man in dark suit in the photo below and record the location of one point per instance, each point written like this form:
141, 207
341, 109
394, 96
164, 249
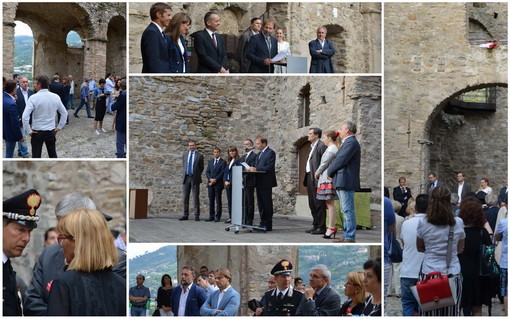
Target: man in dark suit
154, 43
249, 158
193, 166
322, 51
320, 298
462, 188
282, 300
503, 194
120, 123
22, 95
244, 40
401, 194
433, 182
211, 53
266, 160
317, 207
17, 226
11, 123
262, 48
193, 295
214, 174
344, 171
58, 88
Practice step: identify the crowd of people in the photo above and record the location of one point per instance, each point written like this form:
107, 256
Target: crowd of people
210, 293
451, 230
42, 112
164, 48
81, 270
332, 172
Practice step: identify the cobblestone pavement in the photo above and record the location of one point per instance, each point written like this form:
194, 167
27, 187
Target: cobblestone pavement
393, 308
78, 139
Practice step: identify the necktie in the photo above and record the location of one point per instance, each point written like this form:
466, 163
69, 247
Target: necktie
214, 40
215, 162
189, 171
403, 190
268, 41
315, 296
280, 296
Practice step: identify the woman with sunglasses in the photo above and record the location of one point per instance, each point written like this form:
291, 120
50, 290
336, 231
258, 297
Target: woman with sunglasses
355, 290
88, 287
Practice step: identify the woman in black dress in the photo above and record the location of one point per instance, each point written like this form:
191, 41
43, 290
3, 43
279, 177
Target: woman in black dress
372, 284
165, 296
88, 287
475, 289
100, 96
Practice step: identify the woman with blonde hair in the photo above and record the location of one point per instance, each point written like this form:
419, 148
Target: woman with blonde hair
176, 30
355, 291
88, 287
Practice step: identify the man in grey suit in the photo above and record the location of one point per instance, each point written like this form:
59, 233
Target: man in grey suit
433, 182
462, 188
193, 166
320, 299
344, 172
317, 207
242, 47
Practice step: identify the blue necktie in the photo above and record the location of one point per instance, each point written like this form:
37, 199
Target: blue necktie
189, 171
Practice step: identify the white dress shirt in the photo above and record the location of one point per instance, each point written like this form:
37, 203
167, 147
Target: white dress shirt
221, 295
44, 106
182, 300
308, 168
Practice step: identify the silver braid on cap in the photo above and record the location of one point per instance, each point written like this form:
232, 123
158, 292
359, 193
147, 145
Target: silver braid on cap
17, 216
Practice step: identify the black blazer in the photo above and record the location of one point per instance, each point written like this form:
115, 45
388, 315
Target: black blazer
400, 196
155, 53
176, 58
20, 101
198, 166
58, 88
465, 190
328, 303
217, 171
315, 161
251, 160
258, 52
210, 58
503, 195
266, 162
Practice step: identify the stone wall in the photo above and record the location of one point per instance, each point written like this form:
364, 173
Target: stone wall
50, 24
354, 27
428, 59
104, 182
165, 112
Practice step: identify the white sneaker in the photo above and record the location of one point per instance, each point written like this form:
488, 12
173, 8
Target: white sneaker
104, 131
97, 132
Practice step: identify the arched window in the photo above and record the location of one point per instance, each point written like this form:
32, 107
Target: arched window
23, 49
73, 39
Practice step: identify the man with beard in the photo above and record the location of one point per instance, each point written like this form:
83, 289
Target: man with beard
187, 298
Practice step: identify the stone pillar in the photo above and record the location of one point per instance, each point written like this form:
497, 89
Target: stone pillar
49, 53
250, 265
9, 14
94, 57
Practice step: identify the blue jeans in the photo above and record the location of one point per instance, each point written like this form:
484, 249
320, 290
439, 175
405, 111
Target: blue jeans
23, 147
87, 105
9, 149
347, 206
409, 303
121, 142
138, 311
70, 102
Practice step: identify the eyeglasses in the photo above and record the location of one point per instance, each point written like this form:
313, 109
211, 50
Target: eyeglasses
349, 283
61, 238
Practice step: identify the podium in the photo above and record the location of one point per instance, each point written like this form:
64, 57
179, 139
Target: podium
238, 200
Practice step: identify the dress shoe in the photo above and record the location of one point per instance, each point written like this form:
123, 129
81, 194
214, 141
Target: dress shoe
309, 230
216, 220
197, 219
317, 231
90, 117
345, 241
228, 221
76, 115
184, 218
210, 219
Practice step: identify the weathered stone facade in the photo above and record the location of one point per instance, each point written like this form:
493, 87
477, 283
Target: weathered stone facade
354, 28
101, 26
166, 112
104, 182
431, 58
249, 265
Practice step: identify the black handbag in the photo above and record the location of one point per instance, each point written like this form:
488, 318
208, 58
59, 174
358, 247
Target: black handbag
488, 265
395, 249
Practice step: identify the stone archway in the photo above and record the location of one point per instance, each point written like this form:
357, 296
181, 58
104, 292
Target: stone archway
116, 47
336, 34
468, 134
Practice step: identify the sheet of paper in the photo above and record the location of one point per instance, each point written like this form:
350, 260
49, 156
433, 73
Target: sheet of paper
245, 165
280, 55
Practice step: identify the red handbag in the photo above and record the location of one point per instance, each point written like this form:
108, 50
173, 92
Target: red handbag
435, 291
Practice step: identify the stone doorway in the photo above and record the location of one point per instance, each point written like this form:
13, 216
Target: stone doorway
468, 132
336, 34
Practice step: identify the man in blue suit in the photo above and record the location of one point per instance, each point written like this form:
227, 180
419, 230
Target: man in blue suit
225, 301
191, 295
22, 95
211, 53
214, 174
262, 48
322, 51
503, 194
120, 123
154, 43
264, 182
344, 172
11, 122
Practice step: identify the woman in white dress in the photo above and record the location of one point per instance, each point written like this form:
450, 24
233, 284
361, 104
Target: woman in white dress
325, 189
282, 46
